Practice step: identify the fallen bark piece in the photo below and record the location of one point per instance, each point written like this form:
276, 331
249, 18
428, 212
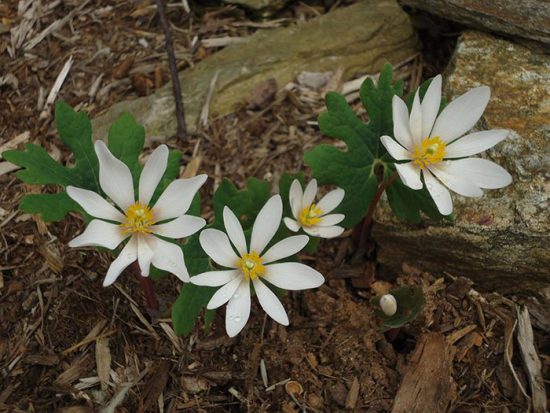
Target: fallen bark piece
529, 19
531, 361
427, 385
359, 39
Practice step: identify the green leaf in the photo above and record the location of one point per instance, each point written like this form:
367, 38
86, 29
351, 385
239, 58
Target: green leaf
245, 204
126, 140
355, 169
40, 168
75, 130
187, 307
410, 301
50, 207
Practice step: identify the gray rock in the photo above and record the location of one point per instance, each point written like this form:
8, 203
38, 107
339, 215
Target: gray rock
359, 38
529, 19
502, 241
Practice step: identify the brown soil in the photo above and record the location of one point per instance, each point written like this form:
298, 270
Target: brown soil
59, 328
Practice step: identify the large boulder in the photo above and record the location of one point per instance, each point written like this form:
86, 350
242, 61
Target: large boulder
529, 19
502, 240
358, 38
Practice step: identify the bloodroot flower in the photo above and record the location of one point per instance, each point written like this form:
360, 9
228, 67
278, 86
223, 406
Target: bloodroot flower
136, 219
436, 148
253, 265
314, 219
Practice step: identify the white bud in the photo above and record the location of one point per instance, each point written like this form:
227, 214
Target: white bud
388, 304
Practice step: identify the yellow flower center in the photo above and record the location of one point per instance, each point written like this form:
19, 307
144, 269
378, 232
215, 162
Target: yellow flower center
310, 215
138, 219
251, 266
430, 151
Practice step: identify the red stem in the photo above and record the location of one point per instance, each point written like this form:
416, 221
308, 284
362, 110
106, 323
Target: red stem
362, 235
151, 301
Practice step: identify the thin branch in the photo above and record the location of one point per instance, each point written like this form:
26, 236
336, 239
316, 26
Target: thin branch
181, 132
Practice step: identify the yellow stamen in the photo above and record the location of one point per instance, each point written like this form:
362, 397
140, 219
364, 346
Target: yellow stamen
431, 151
138, 219
310, 215
251, 266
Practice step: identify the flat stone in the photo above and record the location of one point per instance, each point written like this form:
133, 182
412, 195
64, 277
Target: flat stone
359, 38
529, 19
501, 240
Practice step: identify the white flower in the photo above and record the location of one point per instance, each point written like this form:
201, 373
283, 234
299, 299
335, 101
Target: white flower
253, 265
388, 304
138, 220
435, 145
313, 218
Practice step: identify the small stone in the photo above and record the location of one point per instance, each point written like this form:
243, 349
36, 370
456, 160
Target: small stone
315, 401
338, 392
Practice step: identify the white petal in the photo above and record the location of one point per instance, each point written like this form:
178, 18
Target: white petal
332, 219
295, 196
225, 293
324, 232
152, 174
415, 120
99, 234
94, 204
216, 244
285, 248
293, 276
482, 172
430, 106
266, 224
401, 129
177, 197
309, 194
215, 278
461, 114
270, 303
114, 177
291, 224
475, 143
181, 227
127, 256
409, 174
455, 181
169, 257
145, 253
234, 230
238, 310
439, 193
396, 151
331, 200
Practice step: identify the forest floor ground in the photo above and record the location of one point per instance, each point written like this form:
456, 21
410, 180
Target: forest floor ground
59, 326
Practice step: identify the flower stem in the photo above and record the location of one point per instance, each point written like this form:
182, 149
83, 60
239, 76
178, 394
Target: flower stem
151, 301
361, 232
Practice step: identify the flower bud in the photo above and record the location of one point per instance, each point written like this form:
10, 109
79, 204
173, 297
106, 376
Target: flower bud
388, 304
